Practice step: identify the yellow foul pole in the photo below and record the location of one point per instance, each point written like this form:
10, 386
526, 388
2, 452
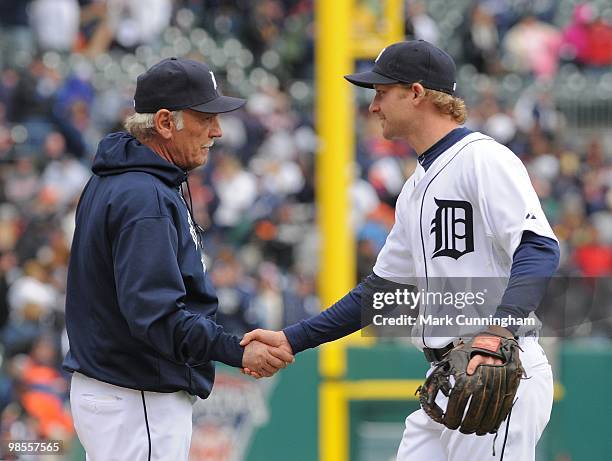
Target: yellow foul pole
334, 122
335, 51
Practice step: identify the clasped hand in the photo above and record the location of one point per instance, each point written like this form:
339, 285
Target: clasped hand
265, 353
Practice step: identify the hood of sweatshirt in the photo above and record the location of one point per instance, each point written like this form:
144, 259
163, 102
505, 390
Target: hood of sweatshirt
121, 152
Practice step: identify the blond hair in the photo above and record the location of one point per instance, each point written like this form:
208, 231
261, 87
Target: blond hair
448, 105
142, 126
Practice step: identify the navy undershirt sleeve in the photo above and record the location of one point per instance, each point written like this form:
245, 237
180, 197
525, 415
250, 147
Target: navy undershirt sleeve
535, 261
341, 319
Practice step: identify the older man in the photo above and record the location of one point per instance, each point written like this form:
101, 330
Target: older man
140, 307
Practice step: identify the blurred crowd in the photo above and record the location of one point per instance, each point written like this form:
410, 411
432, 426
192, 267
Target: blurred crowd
67, 70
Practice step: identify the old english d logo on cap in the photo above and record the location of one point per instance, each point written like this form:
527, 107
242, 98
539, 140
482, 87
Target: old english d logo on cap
213, 79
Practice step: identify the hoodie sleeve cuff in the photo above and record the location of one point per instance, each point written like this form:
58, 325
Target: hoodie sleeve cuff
298, 338
228, 350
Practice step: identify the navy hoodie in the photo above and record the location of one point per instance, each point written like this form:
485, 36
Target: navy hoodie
140, 307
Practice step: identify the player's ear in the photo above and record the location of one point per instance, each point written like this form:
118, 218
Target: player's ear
163, 123
418, 91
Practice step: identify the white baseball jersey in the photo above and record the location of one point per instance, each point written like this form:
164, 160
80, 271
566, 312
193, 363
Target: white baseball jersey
462, 218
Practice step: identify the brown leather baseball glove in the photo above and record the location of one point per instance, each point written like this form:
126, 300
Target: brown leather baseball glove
490, 391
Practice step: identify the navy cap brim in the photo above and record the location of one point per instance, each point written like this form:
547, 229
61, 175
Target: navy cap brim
369, 79
220, 105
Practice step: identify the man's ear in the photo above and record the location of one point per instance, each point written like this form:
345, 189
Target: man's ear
418, 91
163, 123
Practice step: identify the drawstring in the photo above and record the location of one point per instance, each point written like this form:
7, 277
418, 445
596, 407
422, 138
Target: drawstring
506, 434
199, 230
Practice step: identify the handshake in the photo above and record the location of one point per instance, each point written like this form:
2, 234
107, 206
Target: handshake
265, 352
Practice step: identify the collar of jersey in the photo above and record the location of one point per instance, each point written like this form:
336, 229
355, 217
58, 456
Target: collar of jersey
430, 155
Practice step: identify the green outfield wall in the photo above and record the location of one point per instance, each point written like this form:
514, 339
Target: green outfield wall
579, 429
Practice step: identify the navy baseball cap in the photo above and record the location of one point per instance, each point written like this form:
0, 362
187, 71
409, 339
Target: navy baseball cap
410, 62
179, 83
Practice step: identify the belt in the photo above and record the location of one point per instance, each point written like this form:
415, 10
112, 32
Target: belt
435, 355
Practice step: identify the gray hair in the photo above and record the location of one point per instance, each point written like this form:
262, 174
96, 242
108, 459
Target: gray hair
142, 126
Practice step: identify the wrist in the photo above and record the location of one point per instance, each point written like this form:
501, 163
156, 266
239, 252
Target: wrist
497, 330
284, 340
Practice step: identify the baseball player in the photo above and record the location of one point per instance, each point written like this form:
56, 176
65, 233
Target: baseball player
140, 307
468, 213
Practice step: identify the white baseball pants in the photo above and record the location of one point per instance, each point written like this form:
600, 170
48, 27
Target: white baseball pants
424, 439
119, 424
